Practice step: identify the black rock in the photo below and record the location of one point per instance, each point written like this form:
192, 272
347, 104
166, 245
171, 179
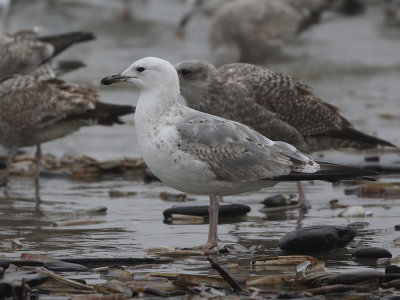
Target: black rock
397, 227
317, 238
371, 252
225, 210
4, 263
355, 277
392, 276
13, 280
394, 283
61, 266
392, 269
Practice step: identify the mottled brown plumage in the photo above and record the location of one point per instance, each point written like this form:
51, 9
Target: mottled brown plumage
275, 104
37, 108
24, 51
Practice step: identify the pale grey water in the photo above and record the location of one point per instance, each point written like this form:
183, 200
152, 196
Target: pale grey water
353, 63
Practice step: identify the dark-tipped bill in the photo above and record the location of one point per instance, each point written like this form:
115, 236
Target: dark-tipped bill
114, 78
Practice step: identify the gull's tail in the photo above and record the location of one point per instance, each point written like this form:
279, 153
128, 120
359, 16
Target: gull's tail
331, 173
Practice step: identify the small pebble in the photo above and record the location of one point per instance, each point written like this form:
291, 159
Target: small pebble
372, 252
4, 263
392, 269
353, 211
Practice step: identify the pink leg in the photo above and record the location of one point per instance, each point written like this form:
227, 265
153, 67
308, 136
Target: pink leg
37, 169
213, 211
10, 159
302, 197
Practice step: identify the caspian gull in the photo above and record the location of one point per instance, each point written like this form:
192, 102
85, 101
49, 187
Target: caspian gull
37, 108
199, 153
275, 104
24, 51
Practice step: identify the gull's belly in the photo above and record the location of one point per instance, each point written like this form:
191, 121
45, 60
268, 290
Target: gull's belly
185, 173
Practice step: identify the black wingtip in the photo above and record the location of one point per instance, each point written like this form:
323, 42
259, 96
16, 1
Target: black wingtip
62, 41
332, 173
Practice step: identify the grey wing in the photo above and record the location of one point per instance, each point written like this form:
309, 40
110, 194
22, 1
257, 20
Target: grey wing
235, 152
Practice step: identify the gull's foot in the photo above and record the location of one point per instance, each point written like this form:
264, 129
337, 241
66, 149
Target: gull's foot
207, 246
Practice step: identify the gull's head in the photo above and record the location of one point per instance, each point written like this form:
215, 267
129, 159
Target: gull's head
146, 74
196, 74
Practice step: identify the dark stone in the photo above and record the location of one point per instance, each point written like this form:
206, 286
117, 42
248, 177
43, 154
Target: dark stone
4, 263
61, 266
280, 200
392, 269
392, 276
397, 227
290, 295
394, 283
372, 252
225, 210
317, 238
31, 278
355, 277
13, 280
374, 158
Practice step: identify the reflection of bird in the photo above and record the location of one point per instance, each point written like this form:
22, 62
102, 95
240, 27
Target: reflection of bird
275, 104
253, 30
24, 51
38, 108
200, 153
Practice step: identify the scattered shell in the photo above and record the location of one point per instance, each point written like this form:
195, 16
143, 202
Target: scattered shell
16, 244
353, 211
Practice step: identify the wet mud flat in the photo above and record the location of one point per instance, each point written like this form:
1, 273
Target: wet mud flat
109, 225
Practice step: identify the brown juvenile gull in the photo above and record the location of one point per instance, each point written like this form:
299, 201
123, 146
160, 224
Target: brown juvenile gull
24, 51
38, 108
253, 30
200, 153
275, 104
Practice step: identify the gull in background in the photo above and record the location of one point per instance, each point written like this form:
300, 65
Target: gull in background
199, 153
38, 108
275, 104
24, 51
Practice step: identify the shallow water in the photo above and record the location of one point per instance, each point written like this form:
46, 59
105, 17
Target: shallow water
353, 63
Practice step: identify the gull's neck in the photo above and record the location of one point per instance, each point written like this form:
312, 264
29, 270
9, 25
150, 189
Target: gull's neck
154, 105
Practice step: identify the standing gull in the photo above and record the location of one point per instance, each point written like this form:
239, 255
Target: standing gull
38, 108
24, 51
199, 153
275, 104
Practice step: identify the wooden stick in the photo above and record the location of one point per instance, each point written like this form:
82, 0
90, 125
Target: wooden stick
228, 278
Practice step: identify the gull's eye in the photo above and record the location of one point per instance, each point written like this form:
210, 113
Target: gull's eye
140, 69
184, 72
